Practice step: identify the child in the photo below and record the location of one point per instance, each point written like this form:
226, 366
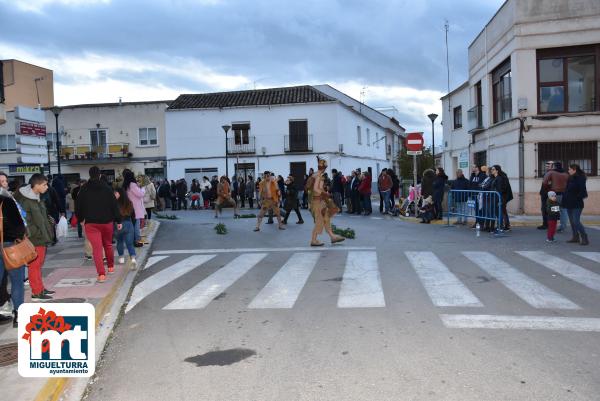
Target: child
553, 210
427, 210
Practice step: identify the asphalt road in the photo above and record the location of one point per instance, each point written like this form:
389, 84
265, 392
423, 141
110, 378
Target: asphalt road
403, 312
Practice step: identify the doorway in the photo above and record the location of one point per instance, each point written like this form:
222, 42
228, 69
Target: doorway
298, 170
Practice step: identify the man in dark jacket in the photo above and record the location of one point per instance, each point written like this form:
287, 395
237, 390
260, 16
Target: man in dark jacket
74, 194
460, 198
58, 185
40, 231
337, 188
97, 209
291, 200
356, 205
182, 190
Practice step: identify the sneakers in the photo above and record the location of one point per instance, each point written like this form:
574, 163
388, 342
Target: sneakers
111, 270
542, 227
26, 282
133, 263
5, 319
256, 229
101, 278
550, 240
86, 257
41, 297
138, 244
48, 292
121, 260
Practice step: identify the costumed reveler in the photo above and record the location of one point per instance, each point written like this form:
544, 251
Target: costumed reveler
321, 203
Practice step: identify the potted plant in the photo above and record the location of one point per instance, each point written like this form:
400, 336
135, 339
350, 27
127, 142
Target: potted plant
129, 154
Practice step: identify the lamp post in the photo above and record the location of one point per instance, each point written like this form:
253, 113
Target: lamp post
432, 117
56, 110
226, 129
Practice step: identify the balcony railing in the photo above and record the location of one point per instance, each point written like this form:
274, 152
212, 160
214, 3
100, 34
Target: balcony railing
475, 117
239, 147
95, 152
298, 143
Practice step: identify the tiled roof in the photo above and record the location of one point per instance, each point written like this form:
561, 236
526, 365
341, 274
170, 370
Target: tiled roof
258, 97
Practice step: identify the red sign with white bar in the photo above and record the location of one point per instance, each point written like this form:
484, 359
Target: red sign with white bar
31, 129
414, 141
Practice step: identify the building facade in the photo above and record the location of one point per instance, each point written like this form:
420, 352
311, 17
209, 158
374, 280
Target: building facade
112, 136
280, 130
532, 96
23, 84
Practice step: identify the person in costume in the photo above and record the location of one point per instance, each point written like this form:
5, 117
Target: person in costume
322, 206
269, 199
224, 198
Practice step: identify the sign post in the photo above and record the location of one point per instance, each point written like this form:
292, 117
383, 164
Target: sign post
414, 147
31, 136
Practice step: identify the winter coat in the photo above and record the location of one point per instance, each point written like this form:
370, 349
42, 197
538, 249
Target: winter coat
461, 184
439, 184
195, 189
182, 189
476, 180
553, 209
59, 187
136, 196
12, 223
291, 196
164, 191
52, 202
250, 187
337, 185
242, 189
41, 232
427, 183
575, 193
364, 188
96, 203
149, 196
501, 184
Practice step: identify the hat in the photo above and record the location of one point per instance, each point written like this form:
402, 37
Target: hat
322, 163
551, 194
484, 168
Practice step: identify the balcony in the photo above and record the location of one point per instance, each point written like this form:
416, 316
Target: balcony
475, 118
298, 143
235, 146
84, 153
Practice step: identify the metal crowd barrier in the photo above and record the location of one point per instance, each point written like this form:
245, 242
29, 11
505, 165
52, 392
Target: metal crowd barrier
480, 205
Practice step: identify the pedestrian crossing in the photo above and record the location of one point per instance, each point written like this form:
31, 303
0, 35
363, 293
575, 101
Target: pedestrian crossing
361, 283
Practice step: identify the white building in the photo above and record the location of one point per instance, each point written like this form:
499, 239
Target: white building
532, 96
112, 136
279, 130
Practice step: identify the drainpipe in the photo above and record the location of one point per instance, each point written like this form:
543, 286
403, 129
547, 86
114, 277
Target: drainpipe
522, 129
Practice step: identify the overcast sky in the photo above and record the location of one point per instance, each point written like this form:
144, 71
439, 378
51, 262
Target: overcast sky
392, 50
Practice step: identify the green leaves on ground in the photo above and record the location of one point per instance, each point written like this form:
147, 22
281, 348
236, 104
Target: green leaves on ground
166, 216
247, 216
347, 233
221, 229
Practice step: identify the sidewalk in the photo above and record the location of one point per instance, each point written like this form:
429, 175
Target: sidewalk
67, 272
515, 221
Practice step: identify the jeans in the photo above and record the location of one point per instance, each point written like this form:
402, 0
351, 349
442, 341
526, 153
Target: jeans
563, 213
366, 201
17, 286
386, 200
575, 221
100, 236
125, 238
461, 209
137, 236
337, 199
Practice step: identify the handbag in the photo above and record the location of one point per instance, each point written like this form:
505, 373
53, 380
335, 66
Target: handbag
19, 254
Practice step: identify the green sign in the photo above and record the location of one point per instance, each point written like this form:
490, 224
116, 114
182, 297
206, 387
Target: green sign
24, 168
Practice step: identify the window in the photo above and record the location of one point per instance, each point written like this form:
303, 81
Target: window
51, 137
8, 143
567, 79
584, 153
148, 137
480, 158
377, 140
358, 135
98, 138
241, 133
502, 92
368, 137
458, 117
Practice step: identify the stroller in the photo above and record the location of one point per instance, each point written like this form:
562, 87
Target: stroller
410, 206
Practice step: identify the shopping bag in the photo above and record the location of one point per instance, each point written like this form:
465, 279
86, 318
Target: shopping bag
74, 221
62, 228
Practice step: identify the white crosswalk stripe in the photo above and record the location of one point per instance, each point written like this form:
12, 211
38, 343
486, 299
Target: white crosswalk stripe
361, 283
204, 292
443, 287
521, 322
529, 290
594, 256
152, 260
564, 268
285, 287
164, 277
594, 227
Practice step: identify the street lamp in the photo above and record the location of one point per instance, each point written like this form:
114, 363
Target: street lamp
226, 129
432, 117
56, 110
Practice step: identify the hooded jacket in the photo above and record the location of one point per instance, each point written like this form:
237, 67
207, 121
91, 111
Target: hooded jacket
38, 226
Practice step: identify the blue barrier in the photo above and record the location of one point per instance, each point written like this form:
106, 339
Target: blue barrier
481, 205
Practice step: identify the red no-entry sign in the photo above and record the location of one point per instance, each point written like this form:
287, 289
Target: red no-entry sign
414, 142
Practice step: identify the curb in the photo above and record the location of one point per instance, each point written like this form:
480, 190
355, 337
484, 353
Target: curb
513, 223
54, 388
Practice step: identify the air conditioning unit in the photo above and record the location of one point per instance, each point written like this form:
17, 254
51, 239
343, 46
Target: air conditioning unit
341, 147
